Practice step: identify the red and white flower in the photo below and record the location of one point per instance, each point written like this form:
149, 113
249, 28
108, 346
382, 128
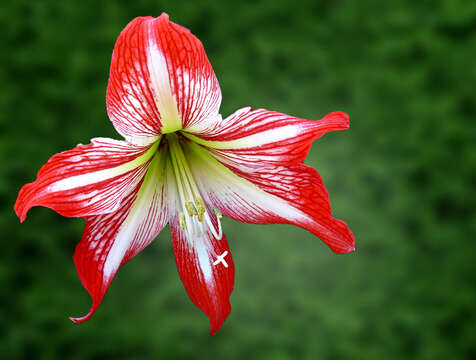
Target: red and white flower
182, 164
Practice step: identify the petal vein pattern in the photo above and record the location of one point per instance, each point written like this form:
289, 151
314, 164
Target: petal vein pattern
164, 99
160, 81
130, 99
291, 194
260, 137
196, 244
109, 241
208, 284
221, 187
87, 180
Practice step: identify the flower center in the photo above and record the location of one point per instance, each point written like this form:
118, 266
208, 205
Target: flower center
193, 215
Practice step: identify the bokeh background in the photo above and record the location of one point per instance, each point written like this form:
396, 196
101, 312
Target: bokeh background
403, 177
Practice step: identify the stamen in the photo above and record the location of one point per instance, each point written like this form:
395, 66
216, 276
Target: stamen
188, 190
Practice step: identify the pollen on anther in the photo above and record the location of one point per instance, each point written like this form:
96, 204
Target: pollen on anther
200, 208
191, 209
183, 225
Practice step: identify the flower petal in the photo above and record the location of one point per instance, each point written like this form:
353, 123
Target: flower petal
301, 187
87, 180
207, 271
291, 194
110, 240
160, 80
260, 137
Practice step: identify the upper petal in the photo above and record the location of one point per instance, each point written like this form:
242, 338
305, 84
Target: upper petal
255, 138
87, 180
110, 240
160, 80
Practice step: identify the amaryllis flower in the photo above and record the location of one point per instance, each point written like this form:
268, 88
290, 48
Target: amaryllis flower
181, 163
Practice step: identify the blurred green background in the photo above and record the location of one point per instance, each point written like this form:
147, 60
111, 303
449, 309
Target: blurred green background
403, 177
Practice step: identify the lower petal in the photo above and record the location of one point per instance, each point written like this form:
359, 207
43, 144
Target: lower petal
302, 188
207, 271
110, 240
291, 194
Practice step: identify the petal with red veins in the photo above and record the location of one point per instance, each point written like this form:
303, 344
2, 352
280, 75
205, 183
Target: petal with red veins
110, 240
87, 180
301, 186
207, 271
291, 194
256, 138
160, 80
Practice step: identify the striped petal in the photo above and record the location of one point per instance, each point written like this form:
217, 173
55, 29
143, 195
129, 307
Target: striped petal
207, 271
291, 194
87, 180
203, 262
110, 240
160, 80
256, 138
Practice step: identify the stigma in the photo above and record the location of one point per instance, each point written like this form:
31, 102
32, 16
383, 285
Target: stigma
194, 217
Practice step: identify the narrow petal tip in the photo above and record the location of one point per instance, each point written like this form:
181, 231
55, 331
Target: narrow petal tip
21, 205
339, 119
79, 320
346, 250
343, 239
20, 214
164, 16
92, 310
217, 323
75, 320
214, 330
343, 251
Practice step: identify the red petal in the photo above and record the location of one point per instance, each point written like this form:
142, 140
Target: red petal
291, 194
207, 279
300, 186
159, 71
87, 180
256, 138
110, 240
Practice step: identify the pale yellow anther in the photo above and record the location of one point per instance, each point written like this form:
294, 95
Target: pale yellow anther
200, 208
183, 225
191, 209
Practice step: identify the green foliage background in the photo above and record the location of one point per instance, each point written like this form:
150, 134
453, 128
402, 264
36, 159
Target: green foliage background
403, 177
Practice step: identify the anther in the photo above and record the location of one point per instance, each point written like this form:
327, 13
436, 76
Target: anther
183, 225
200, 208
191, 209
